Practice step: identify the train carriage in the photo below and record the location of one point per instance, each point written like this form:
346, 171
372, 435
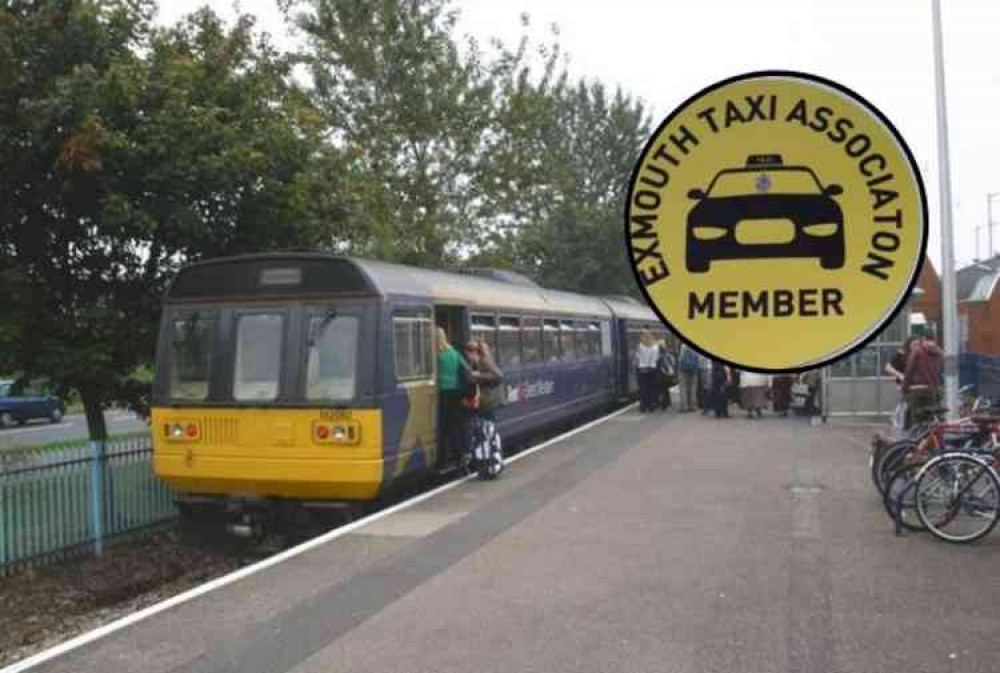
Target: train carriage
309, 378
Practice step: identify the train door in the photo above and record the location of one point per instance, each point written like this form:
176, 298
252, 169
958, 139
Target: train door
455, 322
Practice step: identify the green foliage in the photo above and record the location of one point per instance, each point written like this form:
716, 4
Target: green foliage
557, 177
128, 150
407, 116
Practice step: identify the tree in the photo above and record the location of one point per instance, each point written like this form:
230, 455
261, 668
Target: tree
128, 150
557, 176
409, 114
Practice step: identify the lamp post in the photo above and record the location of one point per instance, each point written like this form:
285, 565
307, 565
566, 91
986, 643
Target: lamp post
989, 222
949, 299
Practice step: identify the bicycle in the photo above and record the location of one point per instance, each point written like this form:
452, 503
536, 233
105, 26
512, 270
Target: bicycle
957, 495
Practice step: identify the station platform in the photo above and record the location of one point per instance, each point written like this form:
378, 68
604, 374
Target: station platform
648, 542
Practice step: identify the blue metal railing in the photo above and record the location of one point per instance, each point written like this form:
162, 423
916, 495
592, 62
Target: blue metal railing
74, 498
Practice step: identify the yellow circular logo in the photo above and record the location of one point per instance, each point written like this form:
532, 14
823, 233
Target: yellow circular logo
776, 221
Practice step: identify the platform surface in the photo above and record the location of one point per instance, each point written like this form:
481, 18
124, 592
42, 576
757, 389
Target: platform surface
660, 543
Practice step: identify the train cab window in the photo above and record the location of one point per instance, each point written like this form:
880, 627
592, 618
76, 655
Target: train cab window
484, 328
412, 331
259, 345
331, 369
567, 337
509, 341
191, 356
550, 340
531, 340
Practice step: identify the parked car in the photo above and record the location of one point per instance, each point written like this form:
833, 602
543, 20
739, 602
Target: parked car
19, 408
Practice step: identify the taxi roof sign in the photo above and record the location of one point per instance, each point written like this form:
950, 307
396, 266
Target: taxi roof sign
764, 160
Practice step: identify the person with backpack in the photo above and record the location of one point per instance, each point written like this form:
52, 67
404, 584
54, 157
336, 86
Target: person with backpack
688, 378
666, 366
483, 395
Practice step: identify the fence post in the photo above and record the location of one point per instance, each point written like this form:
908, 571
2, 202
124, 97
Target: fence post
97, 456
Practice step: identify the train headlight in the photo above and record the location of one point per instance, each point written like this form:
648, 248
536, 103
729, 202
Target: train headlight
182, 432
344, 432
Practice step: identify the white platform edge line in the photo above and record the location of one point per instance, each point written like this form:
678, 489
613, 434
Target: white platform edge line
108, 629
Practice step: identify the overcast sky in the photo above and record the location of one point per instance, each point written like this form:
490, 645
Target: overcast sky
663, 52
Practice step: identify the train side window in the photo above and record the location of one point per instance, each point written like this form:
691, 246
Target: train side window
633, 342
567, 336
594, 339
332, 364
191, 356
605, 338
531, 340
509, 341
413, 332
483, 328
550, 339
259, 345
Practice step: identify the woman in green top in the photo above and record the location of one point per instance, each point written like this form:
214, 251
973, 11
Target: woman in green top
452, 422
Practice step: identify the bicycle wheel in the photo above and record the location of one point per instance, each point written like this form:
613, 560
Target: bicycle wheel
900, 498
958, 497
892, 460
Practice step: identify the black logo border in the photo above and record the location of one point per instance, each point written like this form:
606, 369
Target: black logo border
850, 93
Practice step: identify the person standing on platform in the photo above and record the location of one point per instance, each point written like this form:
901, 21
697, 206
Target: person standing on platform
482, 396
452, 421
922, 380
781, 393
666, 375
753, 393
897, 370
688, 366
721, 381
705, 384
646, 356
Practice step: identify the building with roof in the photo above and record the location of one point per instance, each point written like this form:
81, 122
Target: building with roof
978, 304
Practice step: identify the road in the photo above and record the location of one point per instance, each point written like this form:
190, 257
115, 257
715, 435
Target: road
72, 427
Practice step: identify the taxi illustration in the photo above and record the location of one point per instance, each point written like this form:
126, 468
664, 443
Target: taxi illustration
765, 210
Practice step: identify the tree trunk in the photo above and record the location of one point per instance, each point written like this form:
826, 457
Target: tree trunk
93, 407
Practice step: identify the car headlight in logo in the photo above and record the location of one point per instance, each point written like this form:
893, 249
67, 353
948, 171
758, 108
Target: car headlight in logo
708, 233
824, 229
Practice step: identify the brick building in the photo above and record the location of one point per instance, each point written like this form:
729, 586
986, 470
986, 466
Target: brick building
978, 292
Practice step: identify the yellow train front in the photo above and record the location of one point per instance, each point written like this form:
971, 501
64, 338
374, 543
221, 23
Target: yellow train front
308, 380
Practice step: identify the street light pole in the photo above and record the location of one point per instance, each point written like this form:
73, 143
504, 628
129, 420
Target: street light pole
949, 299
989, 222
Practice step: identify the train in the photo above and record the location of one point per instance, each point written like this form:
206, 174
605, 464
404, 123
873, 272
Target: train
306, 381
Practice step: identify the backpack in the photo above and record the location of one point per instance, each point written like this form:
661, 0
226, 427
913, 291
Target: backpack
689, 361
665, 365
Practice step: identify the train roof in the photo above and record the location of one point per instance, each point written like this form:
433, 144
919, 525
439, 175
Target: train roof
220, 277
631, 309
